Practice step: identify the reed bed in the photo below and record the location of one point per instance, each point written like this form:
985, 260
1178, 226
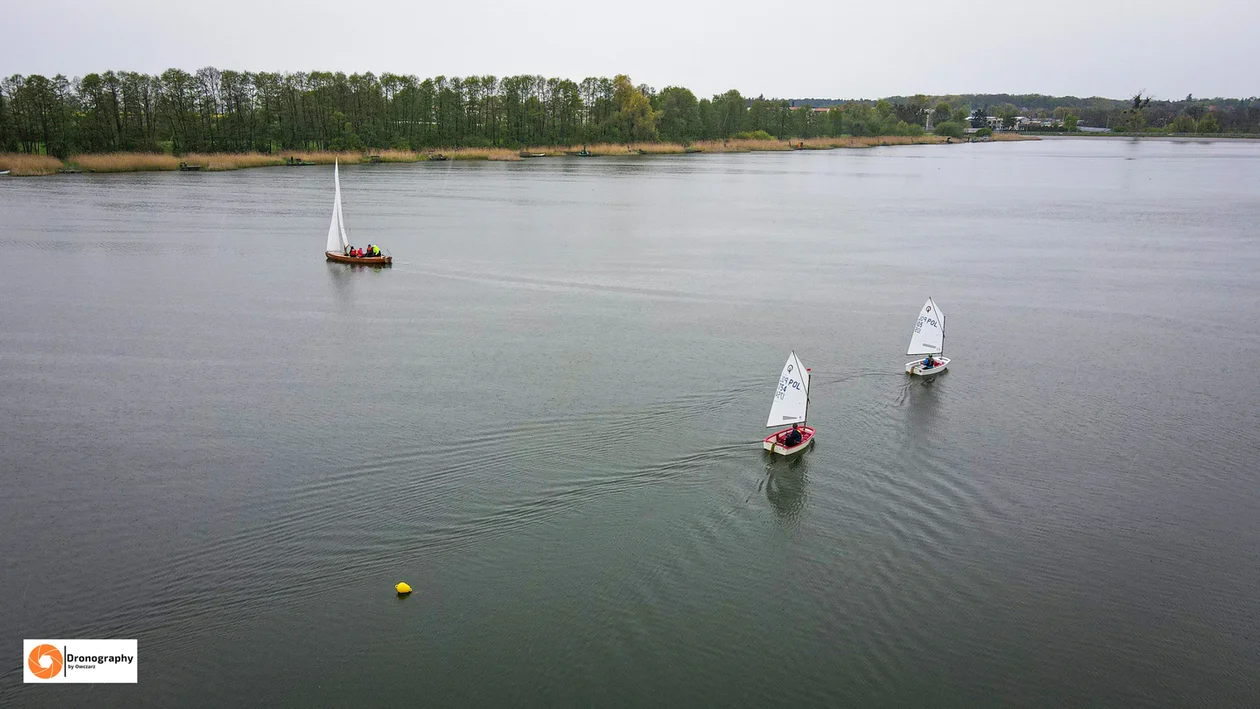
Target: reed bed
868, 141
25, 165
660, 148
741, 145
232, 161
496, 154
323, 157
125, 162
394, 156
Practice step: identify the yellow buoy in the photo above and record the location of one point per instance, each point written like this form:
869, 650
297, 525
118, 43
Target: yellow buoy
402, 588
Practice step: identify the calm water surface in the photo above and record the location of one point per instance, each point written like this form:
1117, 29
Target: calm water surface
546, 417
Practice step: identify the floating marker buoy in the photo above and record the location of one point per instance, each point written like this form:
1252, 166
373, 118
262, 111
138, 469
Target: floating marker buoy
402, 588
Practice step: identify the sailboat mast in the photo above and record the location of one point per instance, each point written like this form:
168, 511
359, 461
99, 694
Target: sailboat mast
804, 378
942, 317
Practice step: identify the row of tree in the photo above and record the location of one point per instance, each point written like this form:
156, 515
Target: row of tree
230, 111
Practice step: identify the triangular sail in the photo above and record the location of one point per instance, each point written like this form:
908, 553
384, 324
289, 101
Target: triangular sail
929, 331
337, 241
791, 398
341, 221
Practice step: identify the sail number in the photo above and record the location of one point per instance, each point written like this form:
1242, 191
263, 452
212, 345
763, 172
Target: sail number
784, 383
924, 319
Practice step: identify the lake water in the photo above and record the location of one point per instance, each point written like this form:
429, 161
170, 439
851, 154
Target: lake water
546, 417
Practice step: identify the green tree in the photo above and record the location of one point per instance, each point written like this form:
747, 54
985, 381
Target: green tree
1183, 123
1208, 124
912, 110
979, 117
1070, 121
942, 113
679, 114
635, 120
949, 128
728, 114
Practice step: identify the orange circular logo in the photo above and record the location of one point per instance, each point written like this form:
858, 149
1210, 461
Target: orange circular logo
35, 661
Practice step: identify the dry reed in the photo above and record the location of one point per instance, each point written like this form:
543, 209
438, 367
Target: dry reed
232, 161
25, 165
394, 156
323, 157
740, 145
1005, 136
659, 148
125, 162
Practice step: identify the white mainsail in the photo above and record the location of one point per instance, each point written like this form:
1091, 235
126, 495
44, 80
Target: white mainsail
791, 399
337, 241
929, 331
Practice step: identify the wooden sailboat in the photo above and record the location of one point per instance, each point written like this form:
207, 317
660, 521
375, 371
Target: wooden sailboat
790, 406
338, 243
928, 339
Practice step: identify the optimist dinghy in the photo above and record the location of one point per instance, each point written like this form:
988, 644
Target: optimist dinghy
928, 339
790, 406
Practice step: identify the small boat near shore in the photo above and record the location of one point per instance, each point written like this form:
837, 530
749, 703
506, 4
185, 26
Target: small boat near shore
360, 260
790, 406
583, 153
338, 242
928, 339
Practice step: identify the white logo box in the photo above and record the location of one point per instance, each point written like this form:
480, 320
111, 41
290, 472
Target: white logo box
81, 661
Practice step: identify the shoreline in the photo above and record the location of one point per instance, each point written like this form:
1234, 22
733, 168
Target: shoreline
26, 165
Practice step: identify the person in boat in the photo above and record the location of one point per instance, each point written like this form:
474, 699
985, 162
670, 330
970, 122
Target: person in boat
928, 362
376, 250
793, 437
349, 250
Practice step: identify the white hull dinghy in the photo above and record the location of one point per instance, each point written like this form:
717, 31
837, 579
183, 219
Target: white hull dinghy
790, 406
928, 339
918, 368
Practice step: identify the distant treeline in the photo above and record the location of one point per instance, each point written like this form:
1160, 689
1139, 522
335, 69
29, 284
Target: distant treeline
1229, 115
229, 111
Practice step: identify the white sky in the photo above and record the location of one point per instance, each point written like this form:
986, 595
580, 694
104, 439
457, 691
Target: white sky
808, 48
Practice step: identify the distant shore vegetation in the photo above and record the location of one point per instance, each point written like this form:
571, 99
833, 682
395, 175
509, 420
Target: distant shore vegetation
36, 164
226, 119
212, 111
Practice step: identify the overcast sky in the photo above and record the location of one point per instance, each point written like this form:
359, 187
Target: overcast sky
808, 48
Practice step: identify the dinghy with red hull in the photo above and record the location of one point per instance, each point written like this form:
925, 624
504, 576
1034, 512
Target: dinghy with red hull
790, 406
